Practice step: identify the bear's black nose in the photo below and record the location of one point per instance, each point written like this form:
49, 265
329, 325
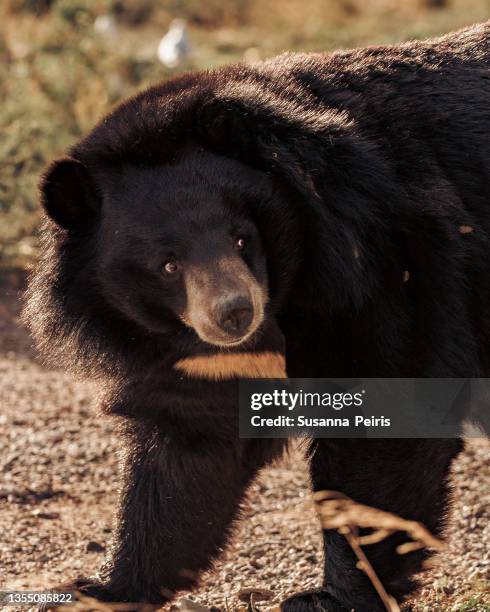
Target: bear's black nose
234, 315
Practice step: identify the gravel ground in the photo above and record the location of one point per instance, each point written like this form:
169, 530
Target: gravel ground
58, 466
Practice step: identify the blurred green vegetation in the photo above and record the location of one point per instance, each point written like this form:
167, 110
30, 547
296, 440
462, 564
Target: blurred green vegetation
58, 74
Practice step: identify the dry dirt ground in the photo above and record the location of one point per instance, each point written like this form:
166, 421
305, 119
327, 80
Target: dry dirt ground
58, 482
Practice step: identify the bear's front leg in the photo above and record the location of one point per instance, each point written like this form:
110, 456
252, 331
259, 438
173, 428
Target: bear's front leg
405, 477
178, 504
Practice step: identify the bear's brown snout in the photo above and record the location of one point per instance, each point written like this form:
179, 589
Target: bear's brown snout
225, 302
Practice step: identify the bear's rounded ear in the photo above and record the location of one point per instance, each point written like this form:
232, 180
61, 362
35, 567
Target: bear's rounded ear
68, 194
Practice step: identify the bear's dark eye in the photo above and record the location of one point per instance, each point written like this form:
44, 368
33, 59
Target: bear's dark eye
171, 267
240, 244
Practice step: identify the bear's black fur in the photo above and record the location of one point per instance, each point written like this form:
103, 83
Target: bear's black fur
365, 176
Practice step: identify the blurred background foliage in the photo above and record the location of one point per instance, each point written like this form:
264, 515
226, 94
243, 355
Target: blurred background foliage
59, 72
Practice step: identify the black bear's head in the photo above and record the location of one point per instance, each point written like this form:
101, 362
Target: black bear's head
174, 245
209, 201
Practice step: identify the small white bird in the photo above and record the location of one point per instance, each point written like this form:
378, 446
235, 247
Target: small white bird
174, 46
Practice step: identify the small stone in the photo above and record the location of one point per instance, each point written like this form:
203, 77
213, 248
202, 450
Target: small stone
187, 605
47, 515
93, 546
258, 594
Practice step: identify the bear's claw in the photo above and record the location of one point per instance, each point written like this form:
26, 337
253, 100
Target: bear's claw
312, 601
319, 601
83, 587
